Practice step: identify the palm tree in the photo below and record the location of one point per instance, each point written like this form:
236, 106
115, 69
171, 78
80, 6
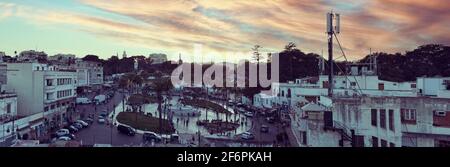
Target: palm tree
136, 82
160, 85
257, 56
290, 46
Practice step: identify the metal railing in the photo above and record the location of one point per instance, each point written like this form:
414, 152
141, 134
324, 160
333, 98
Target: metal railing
345, 131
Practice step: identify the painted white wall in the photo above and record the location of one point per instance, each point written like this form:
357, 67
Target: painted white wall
30, 86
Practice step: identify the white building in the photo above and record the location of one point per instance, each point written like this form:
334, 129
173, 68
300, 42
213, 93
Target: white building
89, 73
158, 58
366, 111
437, 86
425, 122
45, 95
8, 113
359, 122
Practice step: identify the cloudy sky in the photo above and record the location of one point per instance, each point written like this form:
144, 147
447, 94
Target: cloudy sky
141, 27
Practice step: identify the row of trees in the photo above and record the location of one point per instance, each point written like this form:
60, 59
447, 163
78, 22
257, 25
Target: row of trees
426, 60
141, 87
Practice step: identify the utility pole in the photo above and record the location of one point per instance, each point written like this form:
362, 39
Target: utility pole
330, 32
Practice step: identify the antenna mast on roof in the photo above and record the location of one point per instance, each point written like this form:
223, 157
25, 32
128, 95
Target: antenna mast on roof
331, 30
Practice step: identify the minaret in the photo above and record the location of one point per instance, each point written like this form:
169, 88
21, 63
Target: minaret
124, 55
136, 64
179, 59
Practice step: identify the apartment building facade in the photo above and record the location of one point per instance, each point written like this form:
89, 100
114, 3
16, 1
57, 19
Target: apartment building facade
46, 96
366, 111
89, 73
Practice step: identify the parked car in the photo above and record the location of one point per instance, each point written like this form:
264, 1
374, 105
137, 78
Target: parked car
126, 130
83, 100
248, 114
99, 99
174, 138
241, 110
101, 120
84, 124
64, 138
89, 120
247, 136
77, 125
72, 129
150, 136
62, 132
103, 114
71, 136
264, 129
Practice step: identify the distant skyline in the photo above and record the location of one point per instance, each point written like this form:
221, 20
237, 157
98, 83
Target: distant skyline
142, 27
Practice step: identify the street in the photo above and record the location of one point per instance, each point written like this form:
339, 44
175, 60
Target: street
105, 133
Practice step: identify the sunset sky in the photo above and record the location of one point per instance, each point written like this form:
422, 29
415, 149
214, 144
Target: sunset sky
141, 27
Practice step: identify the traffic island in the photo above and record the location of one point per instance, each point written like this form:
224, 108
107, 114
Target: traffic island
144, 122
218, 126
200, 103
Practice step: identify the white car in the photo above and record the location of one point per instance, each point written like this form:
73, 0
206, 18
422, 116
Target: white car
247, 136
62, 132
248, 114
64, 138
101, 120
82, 123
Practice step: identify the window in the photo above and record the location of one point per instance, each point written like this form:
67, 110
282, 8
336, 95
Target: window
49, 82
383, 143
46, 108
408, 115
289, 93
380, 86
413, 85
8, 108
383, 118
374, 141
282, 93
391, 120
352, 83
374, 117
49, 96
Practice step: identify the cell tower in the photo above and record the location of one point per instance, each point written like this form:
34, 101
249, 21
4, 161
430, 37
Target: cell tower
332, 30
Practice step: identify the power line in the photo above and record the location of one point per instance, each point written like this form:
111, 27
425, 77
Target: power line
343, 54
